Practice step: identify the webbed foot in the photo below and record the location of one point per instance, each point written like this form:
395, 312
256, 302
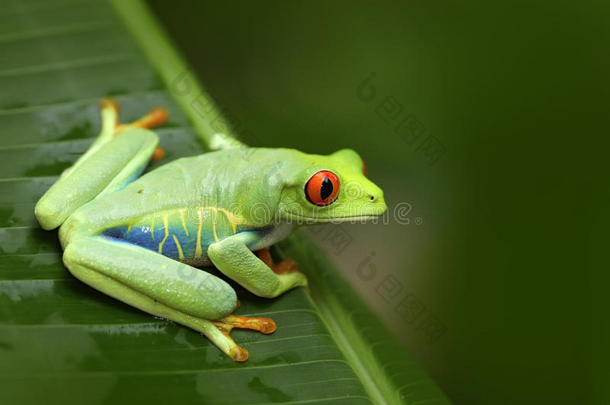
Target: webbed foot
226, 324
156, 117
283, 267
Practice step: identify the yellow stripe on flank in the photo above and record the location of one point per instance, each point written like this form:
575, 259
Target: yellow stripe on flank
214, 225
152, 229
129, 228
233, 224
166, 234
186, 231
198, 246
233, 219
180, 253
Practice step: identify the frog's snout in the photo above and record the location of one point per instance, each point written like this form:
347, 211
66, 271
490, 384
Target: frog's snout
376, 204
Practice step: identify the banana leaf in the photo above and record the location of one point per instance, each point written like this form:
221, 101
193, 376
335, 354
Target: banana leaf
63, 342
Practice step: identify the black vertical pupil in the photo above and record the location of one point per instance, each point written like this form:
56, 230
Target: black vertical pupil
327, 188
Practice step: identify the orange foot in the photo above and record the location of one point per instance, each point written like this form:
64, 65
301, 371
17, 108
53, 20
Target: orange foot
226, 324
157, 116
285, 266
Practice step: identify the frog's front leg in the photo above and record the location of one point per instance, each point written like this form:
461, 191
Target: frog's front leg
233, 257
162, 287
109, 163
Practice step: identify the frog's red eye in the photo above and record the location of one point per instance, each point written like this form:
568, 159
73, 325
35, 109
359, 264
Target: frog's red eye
322, 188
363, 168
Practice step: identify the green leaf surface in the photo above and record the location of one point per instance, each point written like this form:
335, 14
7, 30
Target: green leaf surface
63, 342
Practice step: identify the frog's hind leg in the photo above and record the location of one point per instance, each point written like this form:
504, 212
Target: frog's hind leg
109, 164
163, 287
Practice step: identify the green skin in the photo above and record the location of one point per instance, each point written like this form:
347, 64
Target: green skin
139, 240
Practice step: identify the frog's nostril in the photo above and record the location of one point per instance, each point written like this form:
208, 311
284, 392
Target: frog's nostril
372, 198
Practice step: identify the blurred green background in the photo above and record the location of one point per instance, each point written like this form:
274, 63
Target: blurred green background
491, 283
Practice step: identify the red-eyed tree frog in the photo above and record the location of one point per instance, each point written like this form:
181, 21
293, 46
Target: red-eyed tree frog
140, 240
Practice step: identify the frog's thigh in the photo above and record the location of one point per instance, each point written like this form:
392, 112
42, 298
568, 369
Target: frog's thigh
233, 258
149, 281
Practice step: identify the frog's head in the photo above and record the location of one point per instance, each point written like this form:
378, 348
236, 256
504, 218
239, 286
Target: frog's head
330, 188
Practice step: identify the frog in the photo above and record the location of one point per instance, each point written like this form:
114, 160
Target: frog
147, 239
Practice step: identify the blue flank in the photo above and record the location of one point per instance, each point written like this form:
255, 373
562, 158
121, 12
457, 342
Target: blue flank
140, 235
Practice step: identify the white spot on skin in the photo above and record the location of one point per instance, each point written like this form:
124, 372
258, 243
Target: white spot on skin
129, 329
17, 290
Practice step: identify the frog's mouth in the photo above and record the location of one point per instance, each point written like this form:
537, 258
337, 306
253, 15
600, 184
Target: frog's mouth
334, 219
